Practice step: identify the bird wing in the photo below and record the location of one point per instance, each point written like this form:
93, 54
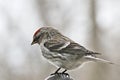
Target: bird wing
67, 47
55, 45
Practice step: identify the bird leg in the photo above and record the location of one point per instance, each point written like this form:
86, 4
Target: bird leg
56, 72
64, 71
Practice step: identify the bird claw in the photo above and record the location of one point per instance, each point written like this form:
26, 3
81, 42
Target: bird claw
60, 74
54, 73
65, 74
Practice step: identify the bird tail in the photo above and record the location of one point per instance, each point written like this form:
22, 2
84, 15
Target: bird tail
95, 59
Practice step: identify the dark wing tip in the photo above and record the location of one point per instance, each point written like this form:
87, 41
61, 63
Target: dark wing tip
96, 53
92, 53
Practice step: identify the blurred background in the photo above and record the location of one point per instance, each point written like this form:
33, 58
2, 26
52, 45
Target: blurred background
94, 24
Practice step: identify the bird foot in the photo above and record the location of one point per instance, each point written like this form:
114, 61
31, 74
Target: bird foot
66, 74
54, 73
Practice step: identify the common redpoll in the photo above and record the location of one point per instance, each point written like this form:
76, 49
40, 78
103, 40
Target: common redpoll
62, 51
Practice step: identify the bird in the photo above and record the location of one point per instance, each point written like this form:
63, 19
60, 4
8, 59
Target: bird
61, 51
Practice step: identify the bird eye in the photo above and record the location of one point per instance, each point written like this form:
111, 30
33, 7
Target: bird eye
36, 38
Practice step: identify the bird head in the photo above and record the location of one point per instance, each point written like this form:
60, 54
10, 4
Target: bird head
43, 34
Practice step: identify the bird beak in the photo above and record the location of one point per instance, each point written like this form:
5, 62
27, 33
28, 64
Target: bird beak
33, 42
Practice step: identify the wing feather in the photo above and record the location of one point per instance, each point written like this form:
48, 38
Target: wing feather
67, 47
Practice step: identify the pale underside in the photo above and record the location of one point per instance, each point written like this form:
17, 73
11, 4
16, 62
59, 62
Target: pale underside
63, 60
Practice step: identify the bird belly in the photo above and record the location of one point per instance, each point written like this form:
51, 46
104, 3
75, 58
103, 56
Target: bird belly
63, 60
66, 64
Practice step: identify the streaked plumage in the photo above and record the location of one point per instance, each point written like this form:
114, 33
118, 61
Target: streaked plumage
62, 51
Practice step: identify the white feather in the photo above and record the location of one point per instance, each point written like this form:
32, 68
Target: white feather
64, 46
92, 58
